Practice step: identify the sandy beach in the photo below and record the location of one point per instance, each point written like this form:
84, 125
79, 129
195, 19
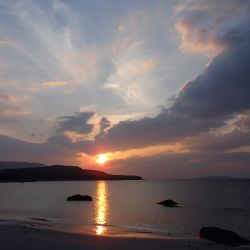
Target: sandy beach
16, 236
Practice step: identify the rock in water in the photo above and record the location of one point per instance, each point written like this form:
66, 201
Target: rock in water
79, 197
222, 236
168, 203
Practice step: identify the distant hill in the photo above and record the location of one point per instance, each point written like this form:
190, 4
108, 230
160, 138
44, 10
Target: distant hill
15, 164
58, 173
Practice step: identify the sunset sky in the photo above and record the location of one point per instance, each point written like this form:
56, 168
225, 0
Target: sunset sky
160, 88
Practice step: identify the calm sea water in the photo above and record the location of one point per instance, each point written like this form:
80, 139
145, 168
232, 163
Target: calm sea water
130, 206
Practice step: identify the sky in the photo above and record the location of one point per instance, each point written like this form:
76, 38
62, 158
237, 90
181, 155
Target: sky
160, 88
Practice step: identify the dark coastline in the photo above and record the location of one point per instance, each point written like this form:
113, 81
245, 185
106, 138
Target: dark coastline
58, 173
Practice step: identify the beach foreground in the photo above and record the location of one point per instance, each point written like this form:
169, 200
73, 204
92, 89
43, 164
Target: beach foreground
18, 236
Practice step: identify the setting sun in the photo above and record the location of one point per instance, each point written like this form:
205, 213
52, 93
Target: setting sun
101, 159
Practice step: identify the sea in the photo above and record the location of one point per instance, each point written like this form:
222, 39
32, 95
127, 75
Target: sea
121, 208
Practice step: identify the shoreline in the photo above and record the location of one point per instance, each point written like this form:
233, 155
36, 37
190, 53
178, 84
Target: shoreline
68, 226
17, 235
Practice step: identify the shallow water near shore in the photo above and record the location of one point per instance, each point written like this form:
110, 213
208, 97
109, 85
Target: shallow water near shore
129, 207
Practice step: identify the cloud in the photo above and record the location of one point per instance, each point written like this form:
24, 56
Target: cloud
5, 98
134, 72
167, 127
219, 143
104, 124
11, 110
187, 165
50, 39
55, 150
55, 84
16, 113
204, 103
236, 136
209, 116
13, 99
50, 47
223, 89
69, 91
205, 25
77, 123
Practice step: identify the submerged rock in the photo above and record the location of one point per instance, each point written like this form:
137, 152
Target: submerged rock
222, 236
168, 203
79, 197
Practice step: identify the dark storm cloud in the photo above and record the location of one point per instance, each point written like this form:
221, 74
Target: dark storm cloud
167, 127
224, 142
223, 89
76, 123
205, 103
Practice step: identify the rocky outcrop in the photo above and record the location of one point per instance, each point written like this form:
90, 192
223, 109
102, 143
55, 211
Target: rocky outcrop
222, 236
168, 203
79, 197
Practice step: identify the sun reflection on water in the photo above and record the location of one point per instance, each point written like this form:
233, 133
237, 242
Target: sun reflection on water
101, 208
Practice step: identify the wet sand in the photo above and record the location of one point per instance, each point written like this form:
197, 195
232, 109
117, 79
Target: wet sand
16, 236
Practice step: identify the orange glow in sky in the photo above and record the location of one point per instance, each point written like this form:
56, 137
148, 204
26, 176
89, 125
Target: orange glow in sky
146, 151
101, 159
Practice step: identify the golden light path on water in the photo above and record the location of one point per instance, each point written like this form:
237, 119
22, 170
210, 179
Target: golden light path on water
101, 208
